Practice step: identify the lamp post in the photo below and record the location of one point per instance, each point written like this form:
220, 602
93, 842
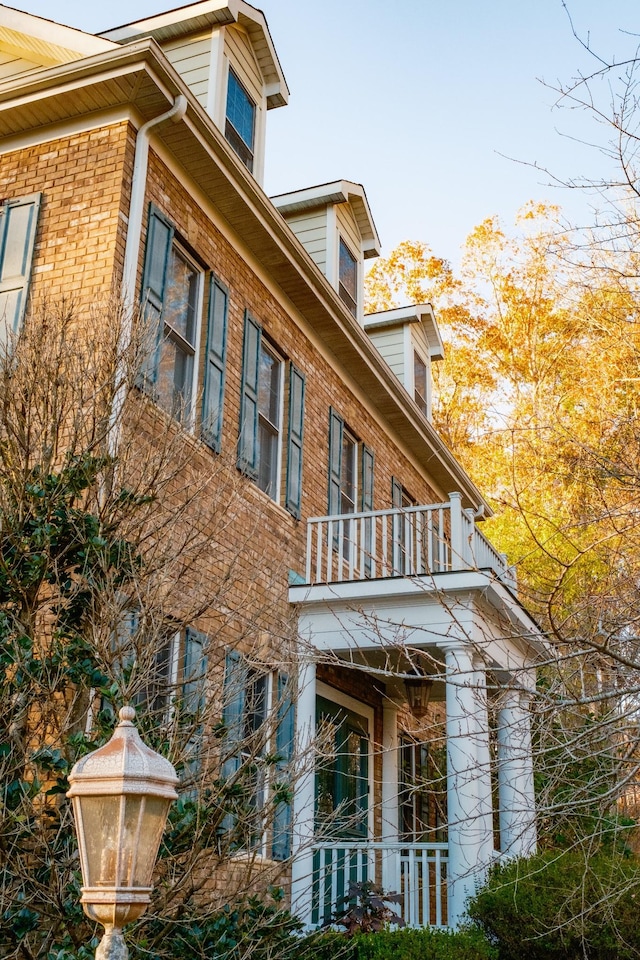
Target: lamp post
121, 796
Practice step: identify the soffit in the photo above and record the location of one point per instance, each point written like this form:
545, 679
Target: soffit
44, 41
139, 76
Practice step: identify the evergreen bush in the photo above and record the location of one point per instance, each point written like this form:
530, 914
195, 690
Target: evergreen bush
562, 905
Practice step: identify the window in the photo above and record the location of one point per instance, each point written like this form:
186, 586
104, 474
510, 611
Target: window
18, 222
251, 695
350, 482
405, 539
422, 794
145, 657
240, 120
420, 383
171, 292
260, 444
348, 278
269, 420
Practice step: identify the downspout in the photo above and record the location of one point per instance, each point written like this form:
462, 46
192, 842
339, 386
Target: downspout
132, 251
136, 206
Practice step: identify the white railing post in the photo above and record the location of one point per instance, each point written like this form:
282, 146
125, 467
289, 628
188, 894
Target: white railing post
455, 513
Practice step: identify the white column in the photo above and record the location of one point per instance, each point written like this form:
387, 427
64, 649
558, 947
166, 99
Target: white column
469, 805
304, 794
390, 808
515, 776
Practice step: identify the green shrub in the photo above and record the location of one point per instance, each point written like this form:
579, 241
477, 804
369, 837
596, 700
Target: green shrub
562, 906
423, 944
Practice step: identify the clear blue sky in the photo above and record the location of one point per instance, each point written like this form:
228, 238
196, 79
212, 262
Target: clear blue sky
423, 101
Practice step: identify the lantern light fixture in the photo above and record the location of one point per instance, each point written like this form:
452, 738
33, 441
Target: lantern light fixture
418, 689
121, 795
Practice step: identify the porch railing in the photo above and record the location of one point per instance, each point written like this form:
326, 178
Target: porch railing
417, 872
406, 542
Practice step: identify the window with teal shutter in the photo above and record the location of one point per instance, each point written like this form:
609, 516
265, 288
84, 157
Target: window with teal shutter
248, 440
18, 224
285, 732
214, 373
294, 446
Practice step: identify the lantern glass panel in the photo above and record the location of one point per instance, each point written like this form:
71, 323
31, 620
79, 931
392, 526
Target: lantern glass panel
122, 836
100, 824
150, 834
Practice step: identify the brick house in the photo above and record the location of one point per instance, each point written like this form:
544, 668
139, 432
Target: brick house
132, 161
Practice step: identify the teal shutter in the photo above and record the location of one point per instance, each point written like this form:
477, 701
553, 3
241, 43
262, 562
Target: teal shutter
336, 431
367, 479
18, 223
367, 505
285, 732
398, 528
396, 494
293, 501
248, 441
194, 672
194, 677
213, 393
160, 233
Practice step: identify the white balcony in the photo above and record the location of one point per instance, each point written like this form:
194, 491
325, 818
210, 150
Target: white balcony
417, 872
383, 591
409, 542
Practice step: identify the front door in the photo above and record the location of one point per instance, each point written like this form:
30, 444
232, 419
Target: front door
342, 779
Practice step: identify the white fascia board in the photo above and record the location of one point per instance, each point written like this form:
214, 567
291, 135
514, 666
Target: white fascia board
226, 11
24, 30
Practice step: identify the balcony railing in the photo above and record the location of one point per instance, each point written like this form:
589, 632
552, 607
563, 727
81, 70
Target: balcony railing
417, 872
407, 542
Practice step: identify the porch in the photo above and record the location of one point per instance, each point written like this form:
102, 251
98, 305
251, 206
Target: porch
389, 594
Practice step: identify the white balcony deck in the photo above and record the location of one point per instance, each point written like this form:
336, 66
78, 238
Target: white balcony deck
410, 542
415, 871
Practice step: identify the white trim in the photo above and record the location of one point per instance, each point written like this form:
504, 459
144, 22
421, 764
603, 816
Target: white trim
331, 268
216, 81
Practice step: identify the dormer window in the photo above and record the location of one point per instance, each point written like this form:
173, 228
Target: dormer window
240, 120
348, 278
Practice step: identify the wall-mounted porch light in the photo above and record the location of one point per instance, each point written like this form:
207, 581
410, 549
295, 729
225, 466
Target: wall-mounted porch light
121, 795
418, 689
